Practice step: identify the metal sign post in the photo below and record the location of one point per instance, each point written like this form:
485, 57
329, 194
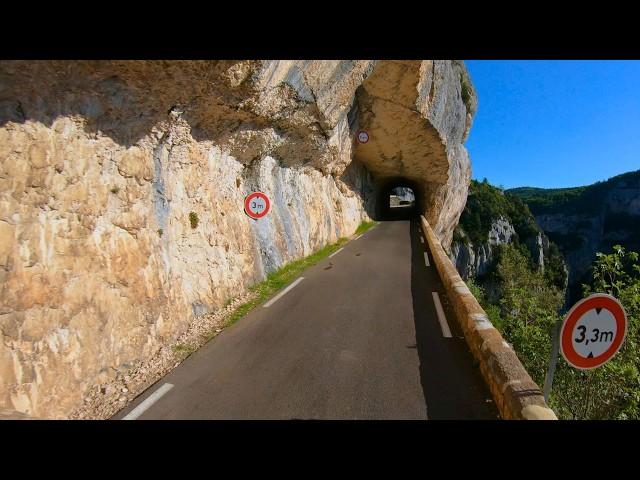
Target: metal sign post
555, 348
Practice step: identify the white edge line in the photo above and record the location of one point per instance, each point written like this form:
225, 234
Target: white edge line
426, 259
441, 318
283, 292
358, 237
150, 400
421, 240
336, 252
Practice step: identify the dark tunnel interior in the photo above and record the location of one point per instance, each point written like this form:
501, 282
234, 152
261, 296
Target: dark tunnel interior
397, 199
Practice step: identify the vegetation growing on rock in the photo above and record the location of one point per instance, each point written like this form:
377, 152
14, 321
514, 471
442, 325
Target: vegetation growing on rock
487, 203
193, 219
465, 91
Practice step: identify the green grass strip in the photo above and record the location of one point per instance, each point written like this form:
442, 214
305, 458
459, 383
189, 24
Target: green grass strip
364, 226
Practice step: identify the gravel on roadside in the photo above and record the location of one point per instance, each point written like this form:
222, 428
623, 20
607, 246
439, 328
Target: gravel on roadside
101, 402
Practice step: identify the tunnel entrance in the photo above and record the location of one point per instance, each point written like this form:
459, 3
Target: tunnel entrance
397, 199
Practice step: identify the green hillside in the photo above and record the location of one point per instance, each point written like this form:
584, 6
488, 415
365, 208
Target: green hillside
485, 204
585, 199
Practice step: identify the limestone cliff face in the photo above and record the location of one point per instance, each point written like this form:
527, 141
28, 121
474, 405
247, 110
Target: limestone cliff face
472, 260
102, 163
492, 218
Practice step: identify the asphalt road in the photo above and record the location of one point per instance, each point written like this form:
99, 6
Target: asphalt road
357, 338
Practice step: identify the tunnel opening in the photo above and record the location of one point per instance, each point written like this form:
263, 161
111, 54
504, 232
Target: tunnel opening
398, 199
402, 197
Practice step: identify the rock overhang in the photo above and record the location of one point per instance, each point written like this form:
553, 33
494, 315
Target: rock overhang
303, 113
417, 115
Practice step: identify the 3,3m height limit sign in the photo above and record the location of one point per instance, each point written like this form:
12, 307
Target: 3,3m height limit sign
593, 331
590, 335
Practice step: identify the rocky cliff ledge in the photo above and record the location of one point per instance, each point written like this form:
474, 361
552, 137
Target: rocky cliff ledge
105, 165
492, 219
474, 260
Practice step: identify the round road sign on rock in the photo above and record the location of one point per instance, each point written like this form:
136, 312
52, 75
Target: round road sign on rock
593, 331
363, 137
257, 205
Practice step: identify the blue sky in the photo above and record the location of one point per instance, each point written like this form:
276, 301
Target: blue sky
554, 123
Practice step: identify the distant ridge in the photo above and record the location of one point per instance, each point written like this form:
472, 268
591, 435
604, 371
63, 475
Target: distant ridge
585, 220
571, 199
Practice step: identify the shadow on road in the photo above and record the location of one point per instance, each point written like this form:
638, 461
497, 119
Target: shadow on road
398, 213
451, 381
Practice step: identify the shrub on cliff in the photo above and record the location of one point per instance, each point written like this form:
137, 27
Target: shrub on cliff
528, 309
193, 219
465, 92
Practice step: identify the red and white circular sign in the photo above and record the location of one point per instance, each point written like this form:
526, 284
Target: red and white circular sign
593, 331
257, 205
363, 137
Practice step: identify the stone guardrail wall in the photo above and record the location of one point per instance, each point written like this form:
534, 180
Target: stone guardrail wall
516, 395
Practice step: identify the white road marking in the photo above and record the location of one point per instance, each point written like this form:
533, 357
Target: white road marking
421, 239
150, 400
441, 318
336, 252
358, 237
283, 292
426, 259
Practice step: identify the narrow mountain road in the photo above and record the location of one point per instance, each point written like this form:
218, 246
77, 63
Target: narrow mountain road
361, 336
